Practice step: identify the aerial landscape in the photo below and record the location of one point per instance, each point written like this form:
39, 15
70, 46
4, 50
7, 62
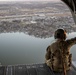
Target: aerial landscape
40, 19
27, 29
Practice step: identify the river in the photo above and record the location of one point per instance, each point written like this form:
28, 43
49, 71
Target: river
21, 48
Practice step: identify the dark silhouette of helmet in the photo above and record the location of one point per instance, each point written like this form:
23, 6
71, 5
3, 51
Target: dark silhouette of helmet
60, 34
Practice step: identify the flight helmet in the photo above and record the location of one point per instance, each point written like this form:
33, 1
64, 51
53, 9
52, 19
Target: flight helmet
60, 34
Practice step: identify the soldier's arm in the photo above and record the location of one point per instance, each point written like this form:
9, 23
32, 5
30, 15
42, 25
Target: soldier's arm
48, 53
71, 42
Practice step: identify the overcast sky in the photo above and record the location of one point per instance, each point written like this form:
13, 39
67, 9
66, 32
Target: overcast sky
29, 0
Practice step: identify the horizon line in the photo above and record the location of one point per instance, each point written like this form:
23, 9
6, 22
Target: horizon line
28, 0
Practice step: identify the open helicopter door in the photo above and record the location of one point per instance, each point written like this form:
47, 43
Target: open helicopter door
72, 5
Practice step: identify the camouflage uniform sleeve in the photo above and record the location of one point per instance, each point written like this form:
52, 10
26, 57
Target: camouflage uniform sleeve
71, 42
48, 53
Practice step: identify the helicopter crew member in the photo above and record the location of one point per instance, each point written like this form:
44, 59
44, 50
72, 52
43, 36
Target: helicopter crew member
58, 53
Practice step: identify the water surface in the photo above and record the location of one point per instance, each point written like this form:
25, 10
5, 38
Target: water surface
21, 48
